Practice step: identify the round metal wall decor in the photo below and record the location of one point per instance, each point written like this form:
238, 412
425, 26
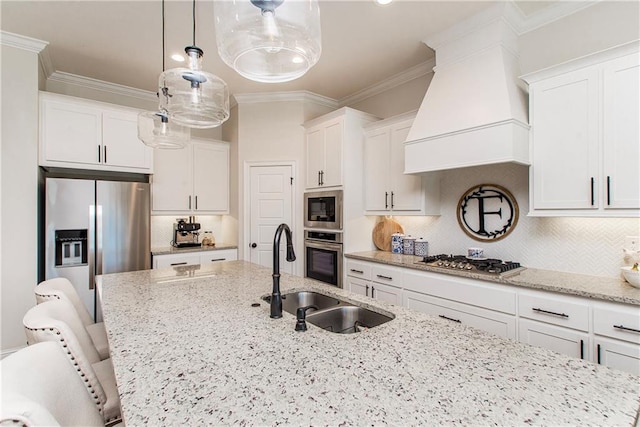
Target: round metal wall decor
487, 212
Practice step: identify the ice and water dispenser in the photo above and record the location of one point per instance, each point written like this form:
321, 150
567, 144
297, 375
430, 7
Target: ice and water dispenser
71, 247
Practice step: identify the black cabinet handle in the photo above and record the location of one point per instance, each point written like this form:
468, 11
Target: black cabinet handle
624, 328
179, 263
598, 351
372, 292
321, 177
196, 202
218, 259
99, 154
608, 191
386, 200
392, 200
105, 154
367, 291
189, 202
318, 177
384, 277
539, 310
357, 271
593, 196
581, 349
449, 318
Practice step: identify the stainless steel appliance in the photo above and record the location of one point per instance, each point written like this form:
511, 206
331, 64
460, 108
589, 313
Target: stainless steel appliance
94, 227
186, 234
323, 210
490, 266
323, 256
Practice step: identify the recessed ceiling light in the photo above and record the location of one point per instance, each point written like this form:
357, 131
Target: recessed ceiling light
383, 2
177, 57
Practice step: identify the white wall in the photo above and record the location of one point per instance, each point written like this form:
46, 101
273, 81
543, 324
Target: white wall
19, 191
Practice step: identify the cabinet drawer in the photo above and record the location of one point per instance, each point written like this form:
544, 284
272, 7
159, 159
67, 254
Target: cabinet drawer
493, 297
555, 309
499, 324
617, 321
164, 261
388, 275
218, 256
359, 269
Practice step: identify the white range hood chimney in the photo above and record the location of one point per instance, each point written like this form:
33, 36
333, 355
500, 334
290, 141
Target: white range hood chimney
475, 109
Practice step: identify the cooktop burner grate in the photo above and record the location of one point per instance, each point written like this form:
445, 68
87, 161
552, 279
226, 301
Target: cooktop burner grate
491, 266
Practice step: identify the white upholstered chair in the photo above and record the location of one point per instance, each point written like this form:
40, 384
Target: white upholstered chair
57, 320
41, 388
60, 288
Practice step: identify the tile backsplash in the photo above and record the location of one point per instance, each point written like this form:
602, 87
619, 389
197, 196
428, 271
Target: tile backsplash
162, 229
590, 246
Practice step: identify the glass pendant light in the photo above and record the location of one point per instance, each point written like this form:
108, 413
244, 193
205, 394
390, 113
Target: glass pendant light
269, 41
154, 127
191, 96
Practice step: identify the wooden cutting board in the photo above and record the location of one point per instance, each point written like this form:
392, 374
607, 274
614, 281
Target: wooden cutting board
382, 232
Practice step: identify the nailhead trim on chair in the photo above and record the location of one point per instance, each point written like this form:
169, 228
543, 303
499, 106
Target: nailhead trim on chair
48, 296
73, 360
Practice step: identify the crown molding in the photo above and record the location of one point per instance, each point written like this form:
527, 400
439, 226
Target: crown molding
301, 95
551, 13
87, 82
22, 42
412, 73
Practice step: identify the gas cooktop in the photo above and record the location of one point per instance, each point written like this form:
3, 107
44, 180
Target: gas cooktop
490, 266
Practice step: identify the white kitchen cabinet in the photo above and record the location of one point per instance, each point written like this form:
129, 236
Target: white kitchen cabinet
585, 136
499, 324
387, 189
83, 134
561, 340
560, 310
192, 180
210, 257
375, 281
358, 286
617, 354
331, 140
194, 258
617, 336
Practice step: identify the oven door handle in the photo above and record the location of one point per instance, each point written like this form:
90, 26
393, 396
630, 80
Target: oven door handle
323, 245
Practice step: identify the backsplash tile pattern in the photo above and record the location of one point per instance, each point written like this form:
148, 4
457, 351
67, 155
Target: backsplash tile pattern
590, 246
162, 228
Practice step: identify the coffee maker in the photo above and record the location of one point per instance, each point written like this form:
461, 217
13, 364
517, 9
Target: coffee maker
186, 234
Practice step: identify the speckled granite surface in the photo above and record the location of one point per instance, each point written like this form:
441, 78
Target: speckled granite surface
170, 250
193, 351
603, 288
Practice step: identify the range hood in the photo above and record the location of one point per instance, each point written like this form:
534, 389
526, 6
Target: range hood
475, 109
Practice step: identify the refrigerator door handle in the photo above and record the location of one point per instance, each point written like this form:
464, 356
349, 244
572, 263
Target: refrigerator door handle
98, 241
92, 244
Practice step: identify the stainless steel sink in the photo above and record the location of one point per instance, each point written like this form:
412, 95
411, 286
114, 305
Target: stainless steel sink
346, 319
293, 300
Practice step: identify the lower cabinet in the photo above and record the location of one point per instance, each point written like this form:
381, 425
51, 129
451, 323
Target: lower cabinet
561, 340
617, 354
617, 336
193, 258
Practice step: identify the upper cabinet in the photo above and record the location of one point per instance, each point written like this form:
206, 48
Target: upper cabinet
83, 134
387, 189
328, 140
585, 136
193, 180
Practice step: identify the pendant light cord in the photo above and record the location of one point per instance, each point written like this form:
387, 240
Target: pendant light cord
194, 22
163, 48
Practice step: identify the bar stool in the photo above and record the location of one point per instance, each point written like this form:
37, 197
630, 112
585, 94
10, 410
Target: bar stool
61, 287
57, 321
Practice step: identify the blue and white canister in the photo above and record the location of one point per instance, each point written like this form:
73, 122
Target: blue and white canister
421, 247
396, 243
408, 244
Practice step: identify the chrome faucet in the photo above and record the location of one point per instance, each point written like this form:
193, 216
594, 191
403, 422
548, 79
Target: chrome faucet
276, 297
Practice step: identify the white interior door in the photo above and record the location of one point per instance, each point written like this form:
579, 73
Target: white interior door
271, 192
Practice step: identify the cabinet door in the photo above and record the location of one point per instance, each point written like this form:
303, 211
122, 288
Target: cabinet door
210, 257
172, 181
560, 340
386, 293
164, 261
621, 132
210, 177
315, 157
376, 171
407, 189
617, 355
358, 286
121, 146
70, 133
565, 141
332, 172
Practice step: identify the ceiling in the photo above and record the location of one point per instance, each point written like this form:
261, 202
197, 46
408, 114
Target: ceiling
120, 41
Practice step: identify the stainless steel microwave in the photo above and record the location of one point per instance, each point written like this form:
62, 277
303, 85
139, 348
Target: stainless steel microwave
323, 210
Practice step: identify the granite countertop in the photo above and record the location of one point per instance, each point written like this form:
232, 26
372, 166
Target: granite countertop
602, 288
188, 347
171, 250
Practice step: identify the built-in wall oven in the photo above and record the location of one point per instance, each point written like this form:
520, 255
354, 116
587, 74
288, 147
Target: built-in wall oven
323, 256
323, 210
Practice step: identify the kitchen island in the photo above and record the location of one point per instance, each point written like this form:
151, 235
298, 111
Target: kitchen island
189, 346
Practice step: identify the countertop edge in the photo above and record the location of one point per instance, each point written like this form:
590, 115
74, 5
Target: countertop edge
170, 250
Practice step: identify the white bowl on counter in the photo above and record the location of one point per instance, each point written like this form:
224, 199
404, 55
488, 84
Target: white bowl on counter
631, 276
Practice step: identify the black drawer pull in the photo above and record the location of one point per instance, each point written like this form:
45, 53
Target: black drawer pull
581, 349
449, 318
218, 259
367, 291
384, 277
593, 196
539, 310
179, 263
373, 290
599, 354
608, 191
624, 328
357, 271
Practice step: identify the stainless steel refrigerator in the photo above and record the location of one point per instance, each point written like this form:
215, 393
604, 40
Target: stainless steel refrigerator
95, 227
